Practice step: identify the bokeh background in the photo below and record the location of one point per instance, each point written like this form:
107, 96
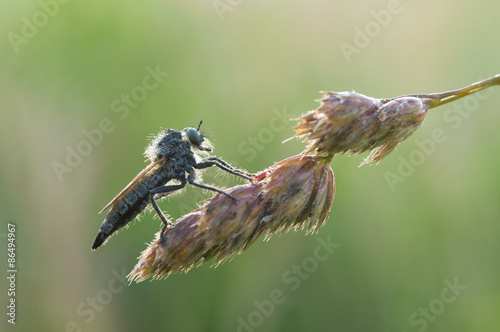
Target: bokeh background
244, 67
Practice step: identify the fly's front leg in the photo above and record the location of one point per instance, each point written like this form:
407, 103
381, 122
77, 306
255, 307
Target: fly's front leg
214, 161
164, 190
191, 180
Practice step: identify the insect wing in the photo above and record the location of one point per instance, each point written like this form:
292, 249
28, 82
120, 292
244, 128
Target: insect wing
134, 181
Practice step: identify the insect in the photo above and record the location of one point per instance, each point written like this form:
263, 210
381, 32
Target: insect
173, 154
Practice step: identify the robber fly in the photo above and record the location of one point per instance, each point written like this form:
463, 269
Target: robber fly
173, 154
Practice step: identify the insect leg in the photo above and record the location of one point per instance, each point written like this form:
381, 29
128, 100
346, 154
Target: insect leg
164, 190
214, 161
191, 180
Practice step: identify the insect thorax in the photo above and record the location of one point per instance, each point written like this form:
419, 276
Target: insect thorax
171, 144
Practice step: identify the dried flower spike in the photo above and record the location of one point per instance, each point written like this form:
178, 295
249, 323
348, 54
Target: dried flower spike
354, 123
295, 193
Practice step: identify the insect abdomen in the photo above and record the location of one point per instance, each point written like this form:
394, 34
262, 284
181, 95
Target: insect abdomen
127, 207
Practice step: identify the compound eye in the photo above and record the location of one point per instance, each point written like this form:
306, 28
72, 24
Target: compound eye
194, 136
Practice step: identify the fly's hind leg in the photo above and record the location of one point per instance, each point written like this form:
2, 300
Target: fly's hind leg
164, 190
214, 161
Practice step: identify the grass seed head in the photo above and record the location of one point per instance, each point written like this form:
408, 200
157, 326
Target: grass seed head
295, 193
349, 122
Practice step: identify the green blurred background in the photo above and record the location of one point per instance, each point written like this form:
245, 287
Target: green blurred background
237, 65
